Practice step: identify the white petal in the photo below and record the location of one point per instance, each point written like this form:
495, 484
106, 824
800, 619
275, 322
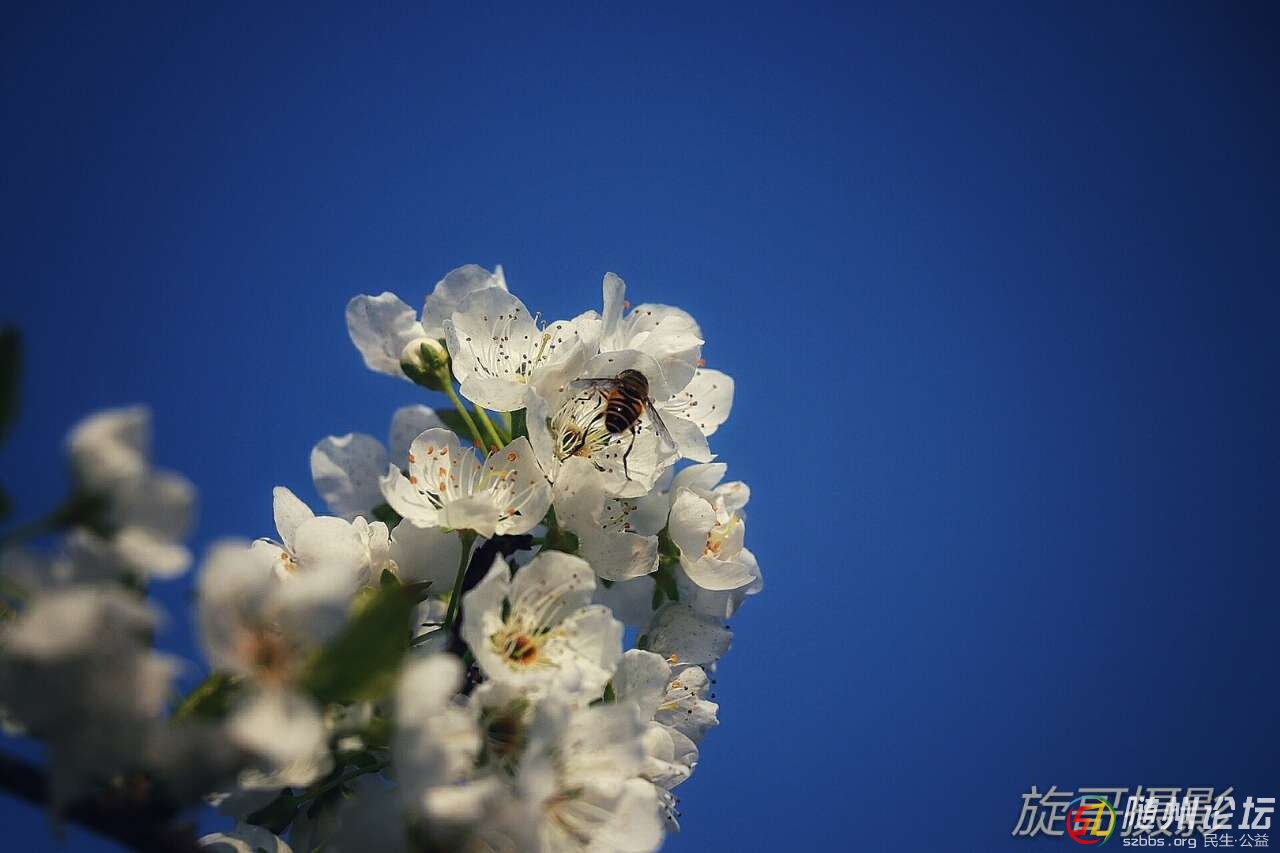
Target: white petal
642, 679
692, 518
380, 327
667, 334
720, 575
327, 543
487, 332
346, 470
595, 639
636, 826
426, 554
482, 608
607, 365
631, 601
688, 438
473, 512
498, 394
111, 445
699, 478
568, 579
233, 584
427, 686
289, 512
452, 291
405, 498
676, 630
707, 400
615, 294
408, 423
287, 733
523, 488
149, 555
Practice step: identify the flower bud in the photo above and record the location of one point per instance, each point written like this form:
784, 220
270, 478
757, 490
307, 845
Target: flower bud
426, 362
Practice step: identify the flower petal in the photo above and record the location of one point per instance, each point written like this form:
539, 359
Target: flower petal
408, 423
678, 632
452, 291
380, 327
346, 470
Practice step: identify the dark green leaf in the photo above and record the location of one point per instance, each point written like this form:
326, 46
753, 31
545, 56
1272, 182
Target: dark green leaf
362, 661
211, 699
664, 585
454, 421
387, 515
10, 368
518, 425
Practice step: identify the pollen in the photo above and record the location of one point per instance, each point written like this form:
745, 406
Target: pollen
673, 659
413, 479
512, 456
411, 459
522, 649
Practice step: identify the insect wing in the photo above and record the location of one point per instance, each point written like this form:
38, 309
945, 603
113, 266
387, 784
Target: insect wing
577, 386
664, 435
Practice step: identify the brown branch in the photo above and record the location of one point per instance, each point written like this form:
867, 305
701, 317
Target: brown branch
133, 818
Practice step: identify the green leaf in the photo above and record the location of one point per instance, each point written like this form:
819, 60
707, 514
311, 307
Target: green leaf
10, 368
454, 421
211, 699
664, 585
362, 661
519, 426
387, 515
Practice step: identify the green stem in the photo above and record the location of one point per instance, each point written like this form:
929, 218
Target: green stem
462, 411
455, 600
494, 435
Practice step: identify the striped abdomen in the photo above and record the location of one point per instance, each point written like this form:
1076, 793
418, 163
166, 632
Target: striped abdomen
625, 402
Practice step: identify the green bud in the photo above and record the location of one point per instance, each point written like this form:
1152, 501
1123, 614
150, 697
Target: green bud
426, 362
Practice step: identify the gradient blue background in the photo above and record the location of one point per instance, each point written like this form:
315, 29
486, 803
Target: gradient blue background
999, 288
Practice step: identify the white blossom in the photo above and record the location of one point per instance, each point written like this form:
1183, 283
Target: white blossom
382, 326
697, 400
347, 468
311, 543
539, 632
615, 535
447, 486
76, 670
583, 767
569, 421
500, 351
135, 517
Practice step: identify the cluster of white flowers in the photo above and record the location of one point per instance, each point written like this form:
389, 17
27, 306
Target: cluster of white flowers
442, 662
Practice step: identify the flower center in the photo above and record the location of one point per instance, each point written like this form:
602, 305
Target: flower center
719, 535
267, 653
578, 428
518, 647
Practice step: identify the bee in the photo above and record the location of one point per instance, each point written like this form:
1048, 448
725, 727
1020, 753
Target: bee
626, 398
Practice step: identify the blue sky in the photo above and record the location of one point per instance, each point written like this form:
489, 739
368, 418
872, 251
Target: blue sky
998, 287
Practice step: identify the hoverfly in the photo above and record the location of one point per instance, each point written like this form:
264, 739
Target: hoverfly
626, 398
